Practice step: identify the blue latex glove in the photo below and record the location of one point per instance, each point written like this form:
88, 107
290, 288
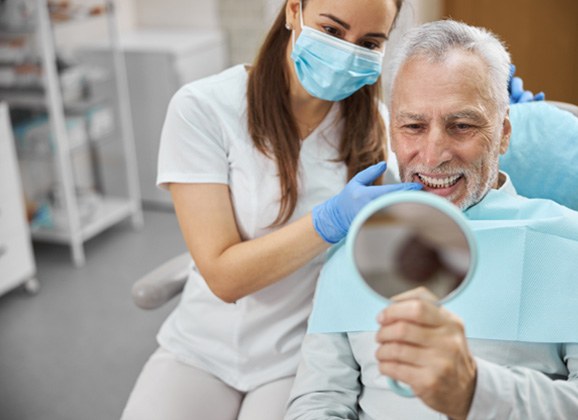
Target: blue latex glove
517, 92
332, 218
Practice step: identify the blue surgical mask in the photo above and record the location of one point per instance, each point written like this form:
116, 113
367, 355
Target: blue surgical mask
330, 68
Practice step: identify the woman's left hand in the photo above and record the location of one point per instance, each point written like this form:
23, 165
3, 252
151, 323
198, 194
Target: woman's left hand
516, 90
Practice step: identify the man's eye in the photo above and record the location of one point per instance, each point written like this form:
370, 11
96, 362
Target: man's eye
413, 127
462, 126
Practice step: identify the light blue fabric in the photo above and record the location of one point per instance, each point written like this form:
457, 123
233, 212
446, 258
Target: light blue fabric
542, 159
525, 287
333, 69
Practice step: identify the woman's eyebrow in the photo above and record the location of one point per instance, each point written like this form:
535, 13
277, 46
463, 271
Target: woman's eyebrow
348, 26
336, 20
376, 35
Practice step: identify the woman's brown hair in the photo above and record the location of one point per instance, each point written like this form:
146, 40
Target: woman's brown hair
273, 128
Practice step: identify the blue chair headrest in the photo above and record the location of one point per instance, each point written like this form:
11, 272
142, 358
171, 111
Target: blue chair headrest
542, 159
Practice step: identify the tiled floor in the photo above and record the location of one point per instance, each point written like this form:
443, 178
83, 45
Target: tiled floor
73, 351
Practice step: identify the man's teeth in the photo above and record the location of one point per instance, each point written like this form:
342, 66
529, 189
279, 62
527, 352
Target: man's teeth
439, 182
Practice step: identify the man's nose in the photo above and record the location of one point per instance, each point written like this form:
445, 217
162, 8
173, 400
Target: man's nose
436, 149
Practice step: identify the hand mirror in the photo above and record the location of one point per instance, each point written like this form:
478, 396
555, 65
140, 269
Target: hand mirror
406, 240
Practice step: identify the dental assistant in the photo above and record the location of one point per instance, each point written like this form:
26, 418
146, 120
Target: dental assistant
257, 160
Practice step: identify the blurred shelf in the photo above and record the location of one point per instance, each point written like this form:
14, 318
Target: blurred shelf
36, 98
111, 211
72, 13
24, 97
10, 32
58, 98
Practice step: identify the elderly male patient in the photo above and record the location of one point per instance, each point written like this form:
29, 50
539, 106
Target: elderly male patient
449, 124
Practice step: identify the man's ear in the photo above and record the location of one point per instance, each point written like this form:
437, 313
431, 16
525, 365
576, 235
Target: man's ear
506, 133
292, 13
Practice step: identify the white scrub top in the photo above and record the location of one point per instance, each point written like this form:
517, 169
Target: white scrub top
205, 140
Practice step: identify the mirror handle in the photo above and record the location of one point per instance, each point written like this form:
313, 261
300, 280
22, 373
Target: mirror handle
400, 388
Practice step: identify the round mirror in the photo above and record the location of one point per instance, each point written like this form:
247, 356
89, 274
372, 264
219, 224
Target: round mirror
412, 240
407, 240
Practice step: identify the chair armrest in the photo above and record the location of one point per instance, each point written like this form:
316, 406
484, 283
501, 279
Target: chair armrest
162, 284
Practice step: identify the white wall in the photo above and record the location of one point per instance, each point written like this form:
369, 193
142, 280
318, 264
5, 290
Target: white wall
245, 24
427, 10
191, 14
272, 7
70, 35
244, 21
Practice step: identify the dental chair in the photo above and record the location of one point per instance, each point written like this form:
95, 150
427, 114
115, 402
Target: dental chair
542, 161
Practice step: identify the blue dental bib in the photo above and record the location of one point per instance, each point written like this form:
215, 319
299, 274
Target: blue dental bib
525, 286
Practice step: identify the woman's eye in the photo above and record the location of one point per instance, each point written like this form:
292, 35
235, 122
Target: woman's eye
370, 45
331, 30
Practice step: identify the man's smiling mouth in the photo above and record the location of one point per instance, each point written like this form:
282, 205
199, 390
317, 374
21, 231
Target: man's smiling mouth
440, 182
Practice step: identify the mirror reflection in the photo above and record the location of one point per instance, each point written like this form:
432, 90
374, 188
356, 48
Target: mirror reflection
408, 245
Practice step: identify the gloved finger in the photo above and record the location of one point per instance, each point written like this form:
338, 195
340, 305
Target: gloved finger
379, 190
540, 96
512, 71
516, 88
526, 96
370, 174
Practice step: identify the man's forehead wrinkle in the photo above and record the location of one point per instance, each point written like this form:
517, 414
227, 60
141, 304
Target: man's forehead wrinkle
405, 115
468, 114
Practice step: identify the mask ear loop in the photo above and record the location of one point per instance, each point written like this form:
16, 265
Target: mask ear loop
300, 21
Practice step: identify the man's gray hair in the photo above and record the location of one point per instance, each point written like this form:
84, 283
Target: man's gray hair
435, 40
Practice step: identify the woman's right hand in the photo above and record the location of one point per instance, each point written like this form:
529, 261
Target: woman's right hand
332, 218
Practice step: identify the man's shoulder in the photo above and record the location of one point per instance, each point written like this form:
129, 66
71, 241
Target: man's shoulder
500, 205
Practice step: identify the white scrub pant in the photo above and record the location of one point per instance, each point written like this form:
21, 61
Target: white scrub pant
171, 390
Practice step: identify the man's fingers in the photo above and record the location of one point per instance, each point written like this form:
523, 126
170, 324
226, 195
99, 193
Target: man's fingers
402, 372
418, 311
417, 293
396, 352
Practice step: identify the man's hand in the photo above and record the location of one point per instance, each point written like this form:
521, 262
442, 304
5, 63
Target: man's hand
424, 346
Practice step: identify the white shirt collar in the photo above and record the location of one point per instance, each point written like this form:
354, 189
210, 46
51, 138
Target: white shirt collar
507, 186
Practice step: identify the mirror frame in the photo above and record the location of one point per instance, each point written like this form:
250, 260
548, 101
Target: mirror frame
418, 197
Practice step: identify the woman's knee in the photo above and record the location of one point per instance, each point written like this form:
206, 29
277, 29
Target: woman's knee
171, 390
268, 402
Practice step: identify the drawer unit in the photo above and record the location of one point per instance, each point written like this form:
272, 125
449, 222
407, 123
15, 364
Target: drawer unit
15, 260
16, 256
